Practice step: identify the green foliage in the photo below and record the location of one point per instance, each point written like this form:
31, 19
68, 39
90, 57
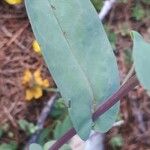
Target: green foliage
49, 144
97, 4
26, 126
62, 64
1, 132
111, 37
62, 127
116, 142
4, 129
141, 54
35, 147
138, 12
59, 112
10, 146
45, 135
79, 57
146, 1
59, 109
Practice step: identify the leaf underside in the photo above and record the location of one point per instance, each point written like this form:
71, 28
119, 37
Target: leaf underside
79, 57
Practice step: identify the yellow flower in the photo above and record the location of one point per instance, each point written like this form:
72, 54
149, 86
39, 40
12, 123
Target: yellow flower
27, 77
34, 92
46, 83
38, 79
36, 47
14, 2
34, 84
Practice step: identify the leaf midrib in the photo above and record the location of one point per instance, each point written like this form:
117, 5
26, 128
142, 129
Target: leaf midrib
70, 48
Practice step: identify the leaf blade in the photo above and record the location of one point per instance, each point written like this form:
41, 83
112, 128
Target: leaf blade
141, 53
101, 80
88, 41
66, 74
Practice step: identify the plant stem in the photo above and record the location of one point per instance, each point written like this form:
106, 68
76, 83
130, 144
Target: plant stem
41, 120
124, 89
129, 75
43, 116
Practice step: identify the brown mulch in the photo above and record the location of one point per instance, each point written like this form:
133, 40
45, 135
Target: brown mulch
16, 55
135, 108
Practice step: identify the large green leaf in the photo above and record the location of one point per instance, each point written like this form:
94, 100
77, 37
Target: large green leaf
63, 65
141, 57
79, 57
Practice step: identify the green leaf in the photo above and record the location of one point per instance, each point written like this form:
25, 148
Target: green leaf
64, 67
26, 126
59, 109
138, 12
45, 135
116, 141
50, 143
141, 54
62, 127
1, 132
79, 57
35, 146
146, 2
97, 4
10, 146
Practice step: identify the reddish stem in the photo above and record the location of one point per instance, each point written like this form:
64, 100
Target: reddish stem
124, 89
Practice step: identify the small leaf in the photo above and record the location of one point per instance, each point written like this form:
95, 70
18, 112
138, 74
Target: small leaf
59, 109
26, 126
45, 135
138, 12
116, 141
35, 146
1, 132
10, 146
49, 144
141, 57
62, 127
97, 4
146, 2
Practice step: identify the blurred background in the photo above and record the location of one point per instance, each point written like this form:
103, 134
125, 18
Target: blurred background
27, 109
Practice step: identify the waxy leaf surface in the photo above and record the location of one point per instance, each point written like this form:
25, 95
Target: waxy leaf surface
79, 57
